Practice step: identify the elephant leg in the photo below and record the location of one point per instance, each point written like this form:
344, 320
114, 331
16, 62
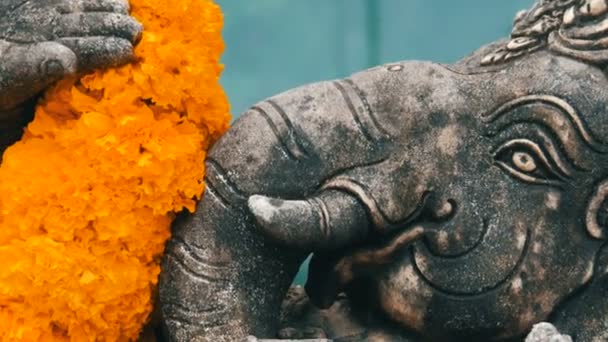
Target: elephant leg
584, 316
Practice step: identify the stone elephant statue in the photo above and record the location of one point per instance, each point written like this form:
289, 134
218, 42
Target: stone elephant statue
462, 202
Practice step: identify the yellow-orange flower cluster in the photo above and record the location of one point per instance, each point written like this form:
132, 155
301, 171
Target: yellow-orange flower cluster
88, 194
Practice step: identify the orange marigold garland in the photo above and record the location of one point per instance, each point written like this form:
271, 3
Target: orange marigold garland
88, 194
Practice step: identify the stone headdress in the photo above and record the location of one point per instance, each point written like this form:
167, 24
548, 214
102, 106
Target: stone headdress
575, 28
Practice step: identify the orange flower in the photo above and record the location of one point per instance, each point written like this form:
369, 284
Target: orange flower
88, 195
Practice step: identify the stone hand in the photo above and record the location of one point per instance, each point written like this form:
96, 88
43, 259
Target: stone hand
42, 41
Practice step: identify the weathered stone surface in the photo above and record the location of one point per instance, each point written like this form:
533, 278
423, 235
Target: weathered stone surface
462, 202
42, 41
546, 332
344, 321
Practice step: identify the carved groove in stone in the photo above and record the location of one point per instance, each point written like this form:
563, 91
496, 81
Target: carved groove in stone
281, 131
325, 223
337, 173
192, 267
381, 221
197, 253
492, 284
217, 182
351, 107
179, 309
558, 103
565, 167
212, 190
375, 125
482, 235
365, 119
211, 318
283, 128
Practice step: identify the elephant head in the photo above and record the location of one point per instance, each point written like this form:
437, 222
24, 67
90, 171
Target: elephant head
465, 201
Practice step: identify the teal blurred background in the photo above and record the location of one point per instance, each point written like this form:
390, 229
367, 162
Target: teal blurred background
274, 45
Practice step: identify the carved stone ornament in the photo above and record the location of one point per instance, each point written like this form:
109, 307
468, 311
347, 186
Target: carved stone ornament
576, 28
463, 202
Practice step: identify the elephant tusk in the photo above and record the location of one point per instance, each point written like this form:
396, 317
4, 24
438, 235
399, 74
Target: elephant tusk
331, 219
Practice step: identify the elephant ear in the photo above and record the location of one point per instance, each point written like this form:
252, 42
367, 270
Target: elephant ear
597, 212
573, 28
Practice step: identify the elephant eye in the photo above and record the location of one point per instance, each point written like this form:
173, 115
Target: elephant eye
526, 161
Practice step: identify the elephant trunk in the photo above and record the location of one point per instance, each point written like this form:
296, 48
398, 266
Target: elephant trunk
228, 267
220, 279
